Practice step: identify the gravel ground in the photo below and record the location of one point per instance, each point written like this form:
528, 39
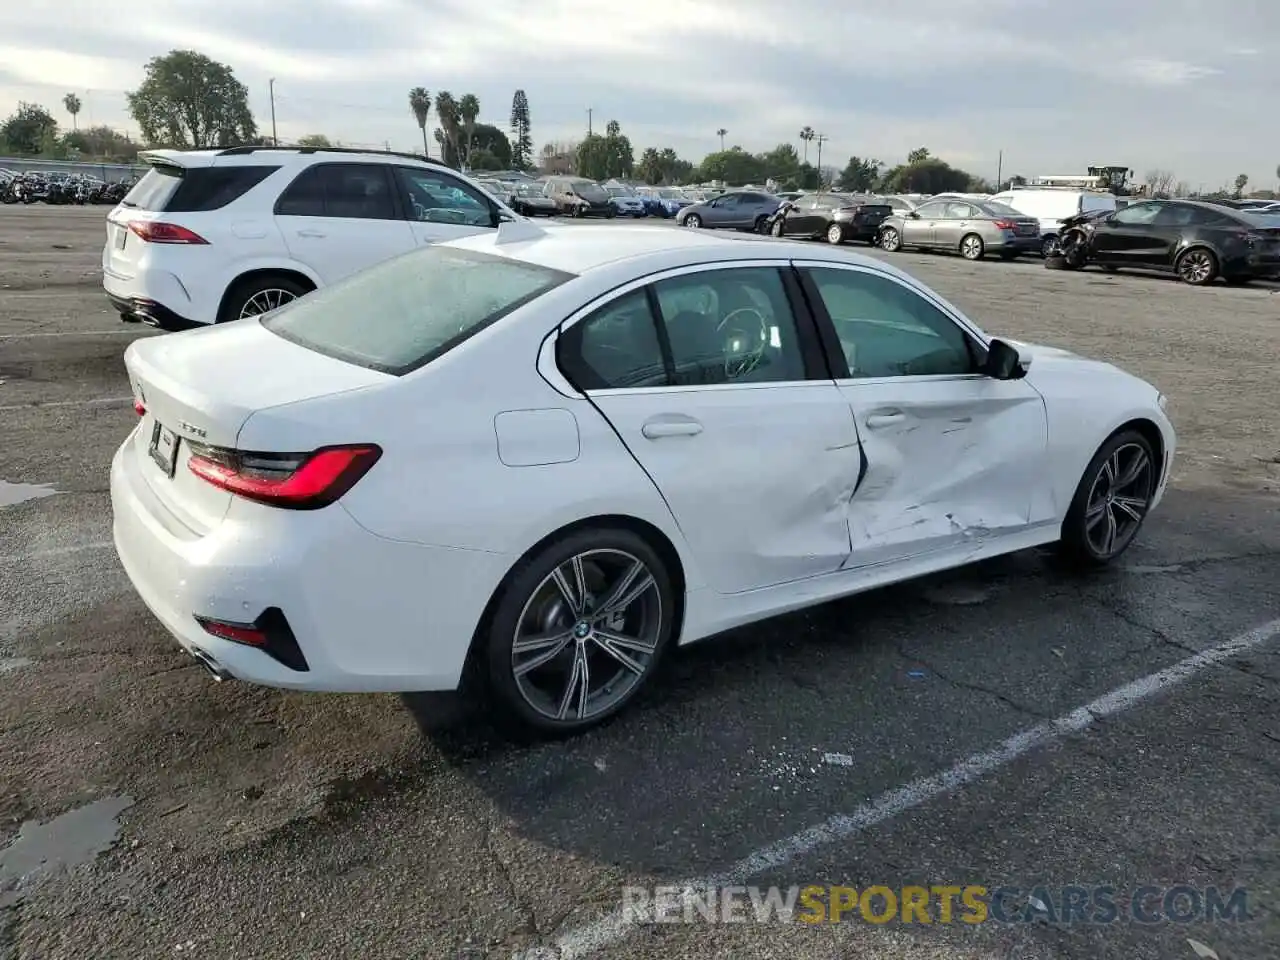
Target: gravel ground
229, 821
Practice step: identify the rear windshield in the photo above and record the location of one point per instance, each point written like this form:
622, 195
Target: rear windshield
406, 312
174, 189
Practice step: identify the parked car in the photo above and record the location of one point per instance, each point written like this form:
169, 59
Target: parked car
520, 438
1200, 242
1052, 205
580, 197
668, 200
972, 228
734, 209
208, 236
838, 217
529, 198
626, 201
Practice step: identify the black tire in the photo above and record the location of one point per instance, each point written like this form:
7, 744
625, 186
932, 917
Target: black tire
497, 636
243, 292
761, 225
890, 240
692, 221
972, 247
611, 214
1049, 246
1080, 533
1197, 266
835, 234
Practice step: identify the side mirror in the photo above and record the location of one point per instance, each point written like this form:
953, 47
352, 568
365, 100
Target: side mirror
1004, 362
912, 215
499, 216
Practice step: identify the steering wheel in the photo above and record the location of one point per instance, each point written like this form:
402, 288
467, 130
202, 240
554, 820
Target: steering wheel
740, 355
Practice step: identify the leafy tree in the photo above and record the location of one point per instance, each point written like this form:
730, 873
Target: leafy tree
859, 175
187, 100
314, 140
663, 167
101, 142
918, 155
1240, 183
72, 105
592, 158
449, 134
420, 105
29, 130
492, 143
929, 175
468, 111
603, 157
521, 139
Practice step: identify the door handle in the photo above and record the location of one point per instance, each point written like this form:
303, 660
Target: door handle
312, 233
657, 429
876, 421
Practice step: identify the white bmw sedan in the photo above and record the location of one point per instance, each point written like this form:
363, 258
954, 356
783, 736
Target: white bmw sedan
537, 460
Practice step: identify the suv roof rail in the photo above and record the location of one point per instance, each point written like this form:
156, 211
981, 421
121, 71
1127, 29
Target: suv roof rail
241, 151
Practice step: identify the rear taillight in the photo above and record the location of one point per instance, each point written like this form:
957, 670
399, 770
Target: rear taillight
139, 408
296, 481
155, 231
1004, 224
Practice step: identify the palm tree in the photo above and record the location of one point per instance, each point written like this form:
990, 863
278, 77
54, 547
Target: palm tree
806, 135
721, 134
469, 110
448, 114
72, 103
420, 104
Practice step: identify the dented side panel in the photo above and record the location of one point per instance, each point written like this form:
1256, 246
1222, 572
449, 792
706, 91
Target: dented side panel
949, 461
758, 477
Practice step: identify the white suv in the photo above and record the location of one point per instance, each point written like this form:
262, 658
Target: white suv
214, 235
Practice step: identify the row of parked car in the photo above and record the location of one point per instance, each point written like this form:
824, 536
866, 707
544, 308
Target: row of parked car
566, 196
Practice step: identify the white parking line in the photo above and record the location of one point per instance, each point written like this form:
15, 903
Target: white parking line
95, 402
586, 940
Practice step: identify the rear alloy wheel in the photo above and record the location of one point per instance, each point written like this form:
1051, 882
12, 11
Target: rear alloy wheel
1049, 247
835, 234
890, 240
972, 247
259, 296
1112, 499
578, 631
693, 221
1197, 267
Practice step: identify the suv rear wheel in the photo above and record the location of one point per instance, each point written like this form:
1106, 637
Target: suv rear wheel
259, 295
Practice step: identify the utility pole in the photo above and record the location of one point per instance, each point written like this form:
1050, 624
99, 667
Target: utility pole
271, 85
820, 139
1000, 172
590, 111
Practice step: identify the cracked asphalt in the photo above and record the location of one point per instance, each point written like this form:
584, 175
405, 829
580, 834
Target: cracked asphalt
274, 825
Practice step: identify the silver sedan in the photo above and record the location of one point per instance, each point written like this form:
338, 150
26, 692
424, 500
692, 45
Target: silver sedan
972, 228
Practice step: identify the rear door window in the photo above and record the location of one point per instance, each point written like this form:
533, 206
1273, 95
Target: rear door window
360, 191
403, 313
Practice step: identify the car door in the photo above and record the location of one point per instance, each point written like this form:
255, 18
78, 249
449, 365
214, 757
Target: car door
953, 224
723, 210
1125, 238
440, 208
1172, 224
341, 218
919, 225
803, 217
953, 457
715, 386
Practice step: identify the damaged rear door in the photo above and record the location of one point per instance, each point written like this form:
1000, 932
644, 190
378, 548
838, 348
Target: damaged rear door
952, 456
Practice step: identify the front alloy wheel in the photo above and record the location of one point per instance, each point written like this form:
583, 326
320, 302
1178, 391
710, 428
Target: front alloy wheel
1112, 499
693, 221
579, 631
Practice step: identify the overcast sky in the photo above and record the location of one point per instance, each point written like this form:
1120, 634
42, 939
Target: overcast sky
1057, 84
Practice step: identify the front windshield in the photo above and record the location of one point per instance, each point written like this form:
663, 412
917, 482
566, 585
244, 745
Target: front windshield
620, 191
589, 191
671, 195
530, 189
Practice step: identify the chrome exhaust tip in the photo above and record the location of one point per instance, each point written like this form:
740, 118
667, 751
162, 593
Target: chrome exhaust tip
216, 670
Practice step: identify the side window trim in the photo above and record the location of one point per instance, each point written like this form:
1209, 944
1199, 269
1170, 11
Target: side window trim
400, 191
806, 330
975, 338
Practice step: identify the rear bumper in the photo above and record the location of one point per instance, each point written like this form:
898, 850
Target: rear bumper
1018, 245
149, 311
367, 614
152, 296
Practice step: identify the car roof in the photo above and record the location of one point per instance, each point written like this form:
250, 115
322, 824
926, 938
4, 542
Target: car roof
581, 249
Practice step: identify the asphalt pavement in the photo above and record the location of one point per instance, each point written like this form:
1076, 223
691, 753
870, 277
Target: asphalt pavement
1013, 725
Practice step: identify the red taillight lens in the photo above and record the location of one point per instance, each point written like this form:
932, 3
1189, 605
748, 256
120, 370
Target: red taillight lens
139, 409
154, 231
1004, 224
305, 481
245, 633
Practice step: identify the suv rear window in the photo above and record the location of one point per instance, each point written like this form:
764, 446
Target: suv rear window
174, 189
403, 313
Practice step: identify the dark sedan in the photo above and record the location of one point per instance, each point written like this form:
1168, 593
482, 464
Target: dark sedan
1200, 242
837, 217
530, 200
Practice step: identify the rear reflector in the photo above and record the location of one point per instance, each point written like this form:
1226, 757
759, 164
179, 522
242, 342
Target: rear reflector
155, 231
235, 632
296, 481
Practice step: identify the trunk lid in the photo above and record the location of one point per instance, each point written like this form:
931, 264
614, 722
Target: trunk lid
198, 388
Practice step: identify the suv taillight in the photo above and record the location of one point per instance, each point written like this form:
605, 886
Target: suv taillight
296, 481
156, 231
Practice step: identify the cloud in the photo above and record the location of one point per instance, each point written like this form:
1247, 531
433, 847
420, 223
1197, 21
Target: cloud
966, 78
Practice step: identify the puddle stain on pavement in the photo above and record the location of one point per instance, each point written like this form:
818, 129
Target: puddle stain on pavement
70, 840
11, 494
